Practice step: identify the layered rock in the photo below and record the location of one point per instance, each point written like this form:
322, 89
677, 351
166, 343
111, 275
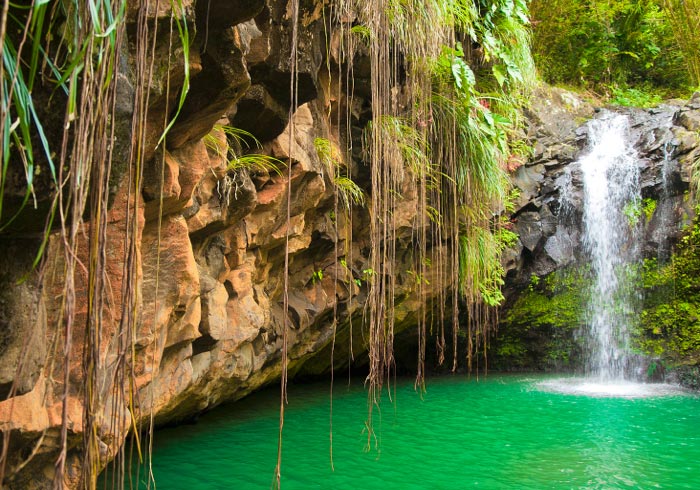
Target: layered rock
665, 141
210, 238
209, 261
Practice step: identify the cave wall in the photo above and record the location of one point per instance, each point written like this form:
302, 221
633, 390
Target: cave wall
211, 245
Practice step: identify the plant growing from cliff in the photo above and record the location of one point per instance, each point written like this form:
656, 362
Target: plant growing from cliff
317, 276
255, 162
239, 141
694, 159
348, 191
670, 320
64, 56
454, 140
362, 32
19, 118
636, 210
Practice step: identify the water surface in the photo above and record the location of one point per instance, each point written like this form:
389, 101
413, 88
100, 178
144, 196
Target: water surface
503, 432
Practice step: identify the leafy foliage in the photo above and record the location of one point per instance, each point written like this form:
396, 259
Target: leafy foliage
634, 97
684, 18
235, 153
538, 330
638, 209
463, 116
670, 320
348, 191
609, 43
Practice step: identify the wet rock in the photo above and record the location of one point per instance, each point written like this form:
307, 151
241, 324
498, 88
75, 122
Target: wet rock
562, 246
275, 73
529, 229
549, 209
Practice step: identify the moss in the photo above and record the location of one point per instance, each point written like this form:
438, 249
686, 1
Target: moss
537, 331
635, 210
669, 325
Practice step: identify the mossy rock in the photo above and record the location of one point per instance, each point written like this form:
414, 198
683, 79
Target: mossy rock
538, 330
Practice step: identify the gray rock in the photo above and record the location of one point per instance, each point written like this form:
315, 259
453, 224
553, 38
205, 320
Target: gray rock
548, 221
690, 120
529, 229
528, 180
684, 140
549, 212
557, 112
561, 246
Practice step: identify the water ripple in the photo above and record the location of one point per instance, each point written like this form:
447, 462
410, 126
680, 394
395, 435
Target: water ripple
504, 432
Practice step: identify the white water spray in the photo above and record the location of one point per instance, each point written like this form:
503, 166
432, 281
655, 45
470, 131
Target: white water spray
611, 202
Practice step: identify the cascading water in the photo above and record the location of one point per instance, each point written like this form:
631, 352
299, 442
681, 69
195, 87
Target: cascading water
611, 197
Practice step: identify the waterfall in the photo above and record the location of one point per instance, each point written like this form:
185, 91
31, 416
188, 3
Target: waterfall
611, 192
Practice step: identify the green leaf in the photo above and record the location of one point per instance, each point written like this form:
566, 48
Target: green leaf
457, 74
499, 71
488, 117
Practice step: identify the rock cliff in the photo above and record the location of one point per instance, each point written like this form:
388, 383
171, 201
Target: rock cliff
210, 246
538, 331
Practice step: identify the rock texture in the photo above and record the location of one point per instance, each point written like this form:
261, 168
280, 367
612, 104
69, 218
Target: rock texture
540, 317
665, 137
210, 251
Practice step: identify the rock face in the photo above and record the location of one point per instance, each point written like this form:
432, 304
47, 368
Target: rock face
210, 252
663, 137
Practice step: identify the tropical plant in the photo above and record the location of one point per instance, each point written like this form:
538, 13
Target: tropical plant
239, 141
602, 43
449, 130
348, 191
57, 120
634, 97
669, 325
684, 17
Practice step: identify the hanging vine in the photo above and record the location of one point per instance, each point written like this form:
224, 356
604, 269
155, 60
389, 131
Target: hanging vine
442, 117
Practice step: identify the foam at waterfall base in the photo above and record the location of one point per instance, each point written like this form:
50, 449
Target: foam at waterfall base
600, 388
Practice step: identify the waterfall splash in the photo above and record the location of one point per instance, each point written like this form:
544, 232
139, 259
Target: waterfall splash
612, 200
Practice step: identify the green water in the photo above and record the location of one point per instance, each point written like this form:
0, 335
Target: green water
498, 433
